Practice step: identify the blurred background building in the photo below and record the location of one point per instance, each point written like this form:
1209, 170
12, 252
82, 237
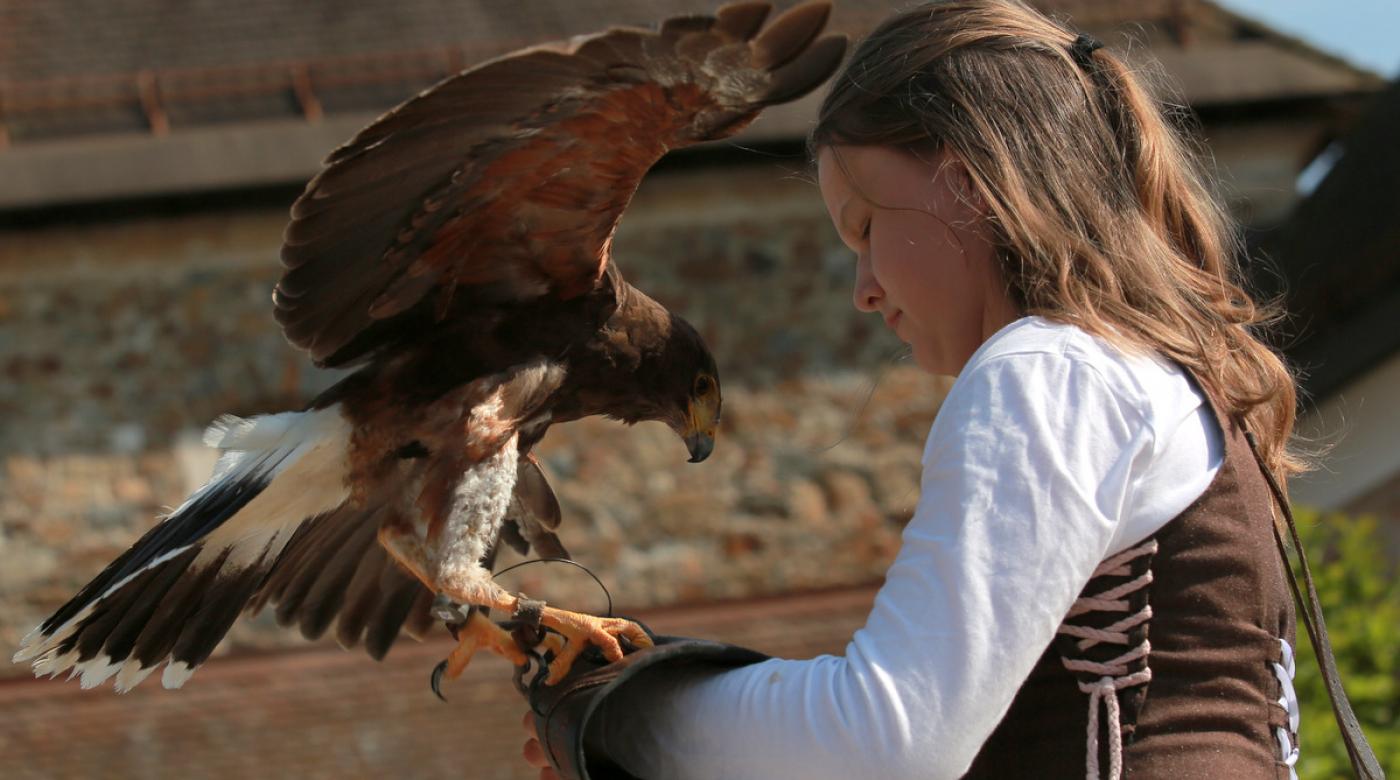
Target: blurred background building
148, 154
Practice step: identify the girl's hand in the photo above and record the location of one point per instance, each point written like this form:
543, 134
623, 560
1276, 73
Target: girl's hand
534, 751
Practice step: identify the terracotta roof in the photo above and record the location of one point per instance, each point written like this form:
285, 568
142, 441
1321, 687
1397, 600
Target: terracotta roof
254, 87
325, 713
72, 66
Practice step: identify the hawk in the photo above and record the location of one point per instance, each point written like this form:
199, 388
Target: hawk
457, 252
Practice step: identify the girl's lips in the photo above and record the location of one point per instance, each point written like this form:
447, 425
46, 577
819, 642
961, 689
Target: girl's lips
892, 320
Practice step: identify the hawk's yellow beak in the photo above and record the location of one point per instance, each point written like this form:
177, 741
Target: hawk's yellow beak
702, 418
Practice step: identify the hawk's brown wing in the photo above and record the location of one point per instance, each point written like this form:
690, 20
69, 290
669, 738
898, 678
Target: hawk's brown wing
505, 183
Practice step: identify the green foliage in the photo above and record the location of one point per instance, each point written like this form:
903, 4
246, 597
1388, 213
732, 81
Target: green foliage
1360, 596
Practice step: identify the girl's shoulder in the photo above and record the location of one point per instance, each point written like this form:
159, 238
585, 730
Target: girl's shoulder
1161, 391
1038, 336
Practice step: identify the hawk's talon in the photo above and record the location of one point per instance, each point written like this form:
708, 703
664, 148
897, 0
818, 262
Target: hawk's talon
579, 631
437, 679
551, 646
476, 633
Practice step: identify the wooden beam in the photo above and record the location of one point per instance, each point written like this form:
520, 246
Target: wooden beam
148, 89
306, 96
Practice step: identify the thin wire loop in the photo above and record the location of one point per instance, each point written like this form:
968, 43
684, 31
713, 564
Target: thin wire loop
569, 561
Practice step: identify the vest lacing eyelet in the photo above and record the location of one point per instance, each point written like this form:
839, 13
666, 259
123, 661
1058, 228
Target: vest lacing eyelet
1288, 702
1114, 674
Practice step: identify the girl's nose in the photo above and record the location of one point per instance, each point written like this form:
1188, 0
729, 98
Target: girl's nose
867, 294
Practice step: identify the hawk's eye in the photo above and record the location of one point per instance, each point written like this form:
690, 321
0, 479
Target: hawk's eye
703, 385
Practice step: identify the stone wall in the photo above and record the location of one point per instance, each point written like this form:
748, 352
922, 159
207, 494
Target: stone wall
120, 341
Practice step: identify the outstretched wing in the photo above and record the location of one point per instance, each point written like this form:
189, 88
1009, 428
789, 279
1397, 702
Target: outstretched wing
505, 183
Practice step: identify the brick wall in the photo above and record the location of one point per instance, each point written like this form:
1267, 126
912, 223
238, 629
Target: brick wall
120, 341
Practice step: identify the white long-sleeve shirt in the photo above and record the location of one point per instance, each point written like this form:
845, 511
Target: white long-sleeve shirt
1052, 451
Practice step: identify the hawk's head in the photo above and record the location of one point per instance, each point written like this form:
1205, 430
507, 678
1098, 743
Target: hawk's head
695, 391
670, 374
682, 386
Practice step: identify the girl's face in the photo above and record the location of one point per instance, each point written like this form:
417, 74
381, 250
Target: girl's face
923, 261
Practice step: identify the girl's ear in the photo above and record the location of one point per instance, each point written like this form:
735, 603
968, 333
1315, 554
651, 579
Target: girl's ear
961, 180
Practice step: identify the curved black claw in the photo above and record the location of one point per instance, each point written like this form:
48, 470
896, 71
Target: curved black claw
534, 662
438, 671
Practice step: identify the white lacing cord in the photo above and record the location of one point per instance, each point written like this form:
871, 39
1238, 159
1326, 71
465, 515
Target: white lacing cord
1114, 674
1288, 752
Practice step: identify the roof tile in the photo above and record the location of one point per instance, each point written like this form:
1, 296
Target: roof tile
75, 67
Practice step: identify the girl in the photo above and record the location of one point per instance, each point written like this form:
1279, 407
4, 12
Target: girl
1023, 216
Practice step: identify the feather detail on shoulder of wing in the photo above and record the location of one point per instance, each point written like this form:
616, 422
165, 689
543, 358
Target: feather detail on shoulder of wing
506, 182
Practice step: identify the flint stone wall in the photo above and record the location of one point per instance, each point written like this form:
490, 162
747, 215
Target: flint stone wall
120, 341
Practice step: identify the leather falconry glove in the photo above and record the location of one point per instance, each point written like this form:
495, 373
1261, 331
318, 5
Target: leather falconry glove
563, 711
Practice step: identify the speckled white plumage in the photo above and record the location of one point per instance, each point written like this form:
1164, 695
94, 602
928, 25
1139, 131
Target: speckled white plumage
479, 503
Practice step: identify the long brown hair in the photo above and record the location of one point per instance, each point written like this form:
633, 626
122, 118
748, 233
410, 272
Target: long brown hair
1100, 213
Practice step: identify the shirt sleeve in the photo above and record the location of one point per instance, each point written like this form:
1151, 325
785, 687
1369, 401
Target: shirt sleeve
1026, 470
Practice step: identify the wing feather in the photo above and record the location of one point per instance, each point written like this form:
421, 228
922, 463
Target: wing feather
336, 573
780, 44
400, 598
512, 175
363, 595
321, 548
420, 620
535, 510
326, 596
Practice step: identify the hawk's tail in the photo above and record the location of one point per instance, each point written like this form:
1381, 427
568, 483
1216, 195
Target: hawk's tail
173, 595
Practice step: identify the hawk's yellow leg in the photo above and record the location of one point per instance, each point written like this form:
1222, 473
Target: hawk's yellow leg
579, 630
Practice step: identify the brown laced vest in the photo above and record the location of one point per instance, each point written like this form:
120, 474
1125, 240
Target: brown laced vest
1188, 628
